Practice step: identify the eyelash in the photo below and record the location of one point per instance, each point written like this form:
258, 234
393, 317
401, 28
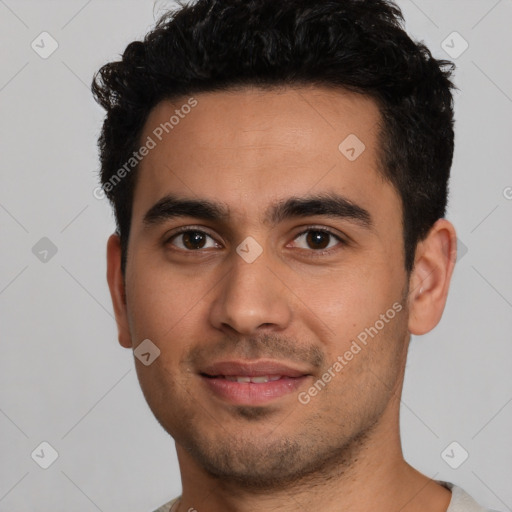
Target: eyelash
314, 253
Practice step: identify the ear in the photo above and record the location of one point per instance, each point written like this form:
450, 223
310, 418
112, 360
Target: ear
430, 278
117, 290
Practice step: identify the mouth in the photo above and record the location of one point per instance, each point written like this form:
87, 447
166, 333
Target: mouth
252, 383
260, 379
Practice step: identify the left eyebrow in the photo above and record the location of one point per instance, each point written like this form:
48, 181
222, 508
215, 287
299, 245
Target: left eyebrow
326, 205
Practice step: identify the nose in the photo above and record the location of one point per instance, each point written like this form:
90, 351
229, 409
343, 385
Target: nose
251, 297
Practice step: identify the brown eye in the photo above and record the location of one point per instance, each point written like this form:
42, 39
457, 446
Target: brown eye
192, 240
317, 239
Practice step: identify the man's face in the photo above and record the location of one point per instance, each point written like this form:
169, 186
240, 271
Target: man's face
295, 286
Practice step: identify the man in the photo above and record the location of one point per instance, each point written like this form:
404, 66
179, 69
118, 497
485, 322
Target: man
279, 177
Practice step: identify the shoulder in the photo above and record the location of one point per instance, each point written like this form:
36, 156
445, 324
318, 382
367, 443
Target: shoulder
167, 506
461, 501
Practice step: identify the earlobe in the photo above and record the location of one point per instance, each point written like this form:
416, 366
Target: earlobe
430, 278
117, 289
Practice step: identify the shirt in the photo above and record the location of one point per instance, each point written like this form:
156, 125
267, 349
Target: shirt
460, 502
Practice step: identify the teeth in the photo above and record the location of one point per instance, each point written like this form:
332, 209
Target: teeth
233, 378
260, 380
257, 380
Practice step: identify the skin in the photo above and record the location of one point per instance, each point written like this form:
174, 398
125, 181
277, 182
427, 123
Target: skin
247, 149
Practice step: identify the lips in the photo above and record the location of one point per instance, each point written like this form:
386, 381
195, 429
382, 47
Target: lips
252, 383
255, 380
252, 369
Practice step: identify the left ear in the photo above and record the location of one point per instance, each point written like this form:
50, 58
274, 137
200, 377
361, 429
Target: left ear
430, 278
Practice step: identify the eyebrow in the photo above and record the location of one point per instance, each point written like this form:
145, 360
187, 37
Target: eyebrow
327, 205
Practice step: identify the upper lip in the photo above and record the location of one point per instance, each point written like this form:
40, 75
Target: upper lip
251, 369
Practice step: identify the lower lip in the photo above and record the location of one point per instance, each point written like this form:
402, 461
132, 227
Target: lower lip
251, 393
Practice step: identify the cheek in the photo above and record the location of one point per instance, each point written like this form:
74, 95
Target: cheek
167, 306
350, 301
155, 301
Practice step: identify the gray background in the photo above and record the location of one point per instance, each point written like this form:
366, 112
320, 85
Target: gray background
63, 377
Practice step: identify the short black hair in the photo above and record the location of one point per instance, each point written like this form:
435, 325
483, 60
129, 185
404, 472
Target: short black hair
356, 45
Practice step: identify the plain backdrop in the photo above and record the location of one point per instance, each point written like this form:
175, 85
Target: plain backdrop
64, 379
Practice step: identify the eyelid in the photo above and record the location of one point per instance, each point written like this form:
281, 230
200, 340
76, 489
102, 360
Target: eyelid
189, 227
185, 229
342, 239
325, 229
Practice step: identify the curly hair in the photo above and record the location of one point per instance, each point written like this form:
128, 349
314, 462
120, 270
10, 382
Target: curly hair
356, 45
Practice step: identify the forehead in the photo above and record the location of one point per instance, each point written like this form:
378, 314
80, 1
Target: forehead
250, 146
